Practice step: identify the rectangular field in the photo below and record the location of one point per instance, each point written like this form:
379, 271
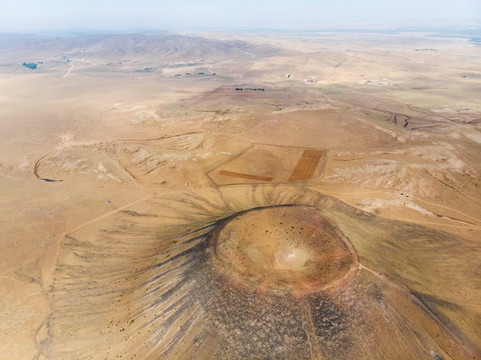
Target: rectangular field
307, 165
245, 176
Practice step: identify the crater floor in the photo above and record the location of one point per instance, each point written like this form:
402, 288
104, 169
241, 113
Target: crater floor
284, 247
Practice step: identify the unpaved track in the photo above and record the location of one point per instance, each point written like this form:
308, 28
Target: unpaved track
69, 70
467, 226
469, 353
448, 208
54, 248
52, 253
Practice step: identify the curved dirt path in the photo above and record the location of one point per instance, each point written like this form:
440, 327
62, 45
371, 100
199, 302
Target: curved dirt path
467, 226
448, 208
69, 70
56, 244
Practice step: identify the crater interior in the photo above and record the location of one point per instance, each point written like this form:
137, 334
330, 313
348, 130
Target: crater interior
283, 247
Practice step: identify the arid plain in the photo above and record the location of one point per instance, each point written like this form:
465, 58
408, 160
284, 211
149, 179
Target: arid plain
233, 196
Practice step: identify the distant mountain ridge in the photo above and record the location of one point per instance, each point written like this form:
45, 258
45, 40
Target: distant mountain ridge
171, 47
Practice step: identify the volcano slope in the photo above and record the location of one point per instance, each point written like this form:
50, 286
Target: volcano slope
240, 196
247, 272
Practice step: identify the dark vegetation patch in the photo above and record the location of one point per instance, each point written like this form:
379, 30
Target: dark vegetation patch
32, 66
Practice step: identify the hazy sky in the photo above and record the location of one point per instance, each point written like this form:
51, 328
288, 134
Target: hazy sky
36, 15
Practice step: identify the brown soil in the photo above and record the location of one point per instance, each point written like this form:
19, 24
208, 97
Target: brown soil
245, 176
307, 165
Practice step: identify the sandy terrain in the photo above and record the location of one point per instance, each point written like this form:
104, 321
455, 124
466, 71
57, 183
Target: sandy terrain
144, 181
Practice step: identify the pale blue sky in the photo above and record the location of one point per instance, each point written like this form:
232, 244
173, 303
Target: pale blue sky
37, 15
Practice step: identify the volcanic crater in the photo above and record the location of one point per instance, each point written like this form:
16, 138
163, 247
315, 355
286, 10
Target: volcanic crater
283, 248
